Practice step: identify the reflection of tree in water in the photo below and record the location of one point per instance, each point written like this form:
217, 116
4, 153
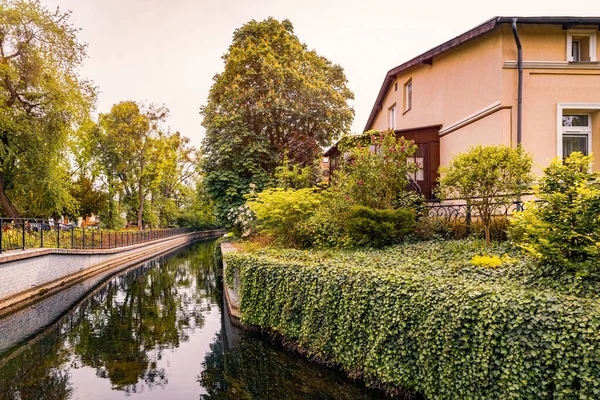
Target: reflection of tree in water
256, 370
25, 377
141, 314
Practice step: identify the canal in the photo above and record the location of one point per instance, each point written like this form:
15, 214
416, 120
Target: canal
156, 331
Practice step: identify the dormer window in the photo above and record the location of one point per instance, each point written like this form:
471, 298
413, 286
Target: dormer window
581, 45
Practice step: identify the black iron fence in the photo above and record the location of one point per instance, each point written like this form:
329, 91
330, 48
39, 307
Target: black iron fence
24, 233
464, 212
461, 218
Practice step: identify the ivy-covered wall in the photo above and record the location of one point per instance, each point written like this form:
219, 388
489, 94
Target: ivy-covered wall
447, 336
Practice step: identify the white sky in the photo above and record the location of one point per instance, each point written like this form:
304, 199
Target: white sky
167, 51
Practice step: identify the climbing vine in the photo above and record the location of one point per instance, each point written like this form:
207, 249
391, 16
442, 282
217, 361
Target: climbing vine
444, 333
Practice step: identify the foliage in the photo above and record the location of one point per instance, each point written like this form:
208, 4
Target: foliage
91, 200
201, 213
378, 228
172, 191
110, 217
242, 220
278, 211
326, 226
376, 175
453, 227
490, 261
290, 176
563, 228
274, 96
129, 146
420, 316
42, 100
490, 178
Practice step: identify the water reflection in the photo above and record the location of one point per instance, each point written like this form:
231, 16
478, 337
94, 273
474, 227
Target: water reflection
158, 331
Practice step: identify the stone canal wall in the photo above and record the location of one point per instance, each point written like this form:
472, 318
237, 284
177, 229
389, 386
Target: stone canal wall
28, 275
232, 300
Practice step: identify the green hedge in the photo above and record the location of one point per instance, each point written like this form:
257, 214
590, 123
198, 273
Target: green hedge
446, 335
377, 228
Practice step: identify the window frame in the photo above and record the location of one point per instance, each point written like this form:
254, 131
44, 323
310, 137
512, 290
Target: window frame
408, 100
592, 34
576, 131
392, 112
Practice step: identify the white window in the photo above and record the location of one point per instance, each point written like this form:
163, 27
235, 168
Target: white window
581, 45
576, 133
392, 112
408, 95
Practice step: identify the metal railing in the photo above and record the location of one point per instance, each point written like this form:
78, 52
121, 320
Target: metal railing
460, 212
25, 233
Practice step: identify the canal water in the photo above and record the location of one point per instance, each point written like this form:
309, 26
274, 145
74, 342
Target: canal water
156, 331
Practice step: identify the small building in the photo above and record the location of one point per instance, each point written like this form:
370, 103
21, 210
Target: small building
478, 88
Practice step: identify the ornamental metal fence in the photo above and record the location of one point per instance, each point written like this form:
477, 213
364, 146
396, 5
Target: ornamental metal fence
457, 213
26, 233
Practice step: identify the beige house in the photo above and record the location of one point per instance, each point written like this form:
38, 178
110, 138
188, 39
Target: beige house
467, 91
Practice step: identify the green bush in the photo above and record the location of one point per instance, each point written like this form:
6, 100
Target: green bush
421, 317
490, 177
326, 227
434, 227
374, 172
280, 211
377, 228
563, 229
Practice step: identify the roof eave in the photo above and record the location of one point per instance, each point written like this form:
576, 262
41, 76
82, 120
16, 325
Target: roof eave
479, 30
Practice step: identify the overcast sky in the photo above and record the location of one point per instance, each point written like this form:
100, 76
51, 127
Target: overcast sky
167, 51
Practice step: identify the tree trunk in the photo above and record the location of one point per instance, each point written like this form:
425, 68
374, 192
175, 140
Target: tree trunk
8, 207
141, 207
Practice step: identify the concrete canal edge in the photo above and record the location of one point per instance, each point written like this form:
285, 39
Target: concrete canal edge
31, 275
232, 299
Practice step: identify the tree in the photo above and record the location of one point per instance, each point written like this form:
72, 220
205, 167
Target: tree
41, 99
91, 201
273, 96
174, 186
490, 178
129, 149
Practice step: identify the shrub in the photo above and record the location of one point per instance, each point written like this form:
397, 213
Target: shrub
377, 228
563, 229
489, 178
280, 211
326, 227
420, 324
439, 227
375, 174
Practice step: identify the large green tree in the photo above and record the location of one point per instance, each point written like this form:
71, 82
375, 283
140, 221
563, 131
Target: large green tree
42, 99
129, 149
173, 190
274, 96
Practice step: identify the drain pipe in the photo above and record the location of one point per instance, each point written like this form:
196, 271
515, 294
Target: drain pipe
520, 90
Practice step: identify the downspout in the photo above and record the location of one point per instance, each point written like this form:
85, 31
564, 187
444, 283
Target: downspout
520, 90
520, 93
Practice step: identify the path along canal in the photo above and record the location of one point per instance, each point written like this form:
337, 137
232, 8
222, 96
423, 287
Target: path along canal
156, 331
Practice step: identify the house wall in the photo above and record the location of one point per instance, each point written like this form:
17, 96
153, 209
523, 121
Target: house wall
459, 83
481, 75
544, 88
493, 129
